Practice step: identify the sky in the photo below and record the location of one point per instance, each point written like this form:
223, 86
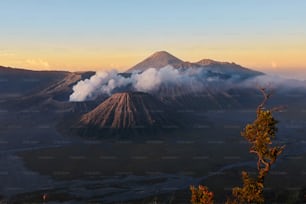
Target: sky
104, 34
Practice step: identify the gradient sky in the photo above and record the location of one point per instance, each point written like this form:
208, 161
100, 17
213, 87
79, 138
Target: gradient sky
104, 34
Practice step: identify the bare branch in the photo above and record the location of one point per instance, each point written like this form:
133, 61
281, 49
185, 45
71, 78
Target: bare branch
278, 108
266, 96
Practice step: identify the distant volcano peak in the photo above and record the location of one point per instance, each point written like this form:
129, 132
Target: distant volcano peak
157, 60
164, 54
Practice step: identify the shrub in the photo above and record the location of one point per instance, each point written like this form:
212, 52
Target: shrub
259, 134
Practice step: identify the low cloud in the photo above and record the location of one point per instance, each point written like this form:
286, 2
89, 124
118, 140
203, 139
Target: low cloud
6, 53
38, 63
274, 82
169, 80
151, 80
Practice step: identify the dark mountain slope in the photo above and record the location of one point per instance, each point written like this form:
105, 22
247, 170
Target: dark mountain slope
20, 81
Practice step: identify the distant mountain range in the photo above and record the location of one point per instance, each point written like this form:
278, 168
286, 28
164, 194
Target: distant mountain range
24, 81
161, 59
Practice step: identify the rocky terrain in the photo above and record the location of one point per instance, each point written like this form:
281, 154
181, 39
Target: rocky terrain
127, 110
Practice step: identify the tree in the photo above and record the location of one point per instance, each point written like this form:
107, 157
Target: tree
259, 134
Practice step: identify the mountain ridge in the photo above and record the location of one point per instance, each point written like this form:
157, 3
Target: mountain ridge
162, 59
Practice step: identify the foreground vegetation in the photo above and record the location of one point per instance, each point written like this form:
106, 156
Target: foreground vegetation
259, 134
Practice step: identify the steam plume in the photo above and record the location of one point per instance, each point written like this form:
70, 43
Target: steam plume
188, 80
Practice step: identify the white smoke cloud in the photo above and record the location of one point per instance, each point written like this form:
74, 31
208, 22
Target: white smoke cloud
100, 83
37, 63
151, 79
148, 80
175, 80
108, 82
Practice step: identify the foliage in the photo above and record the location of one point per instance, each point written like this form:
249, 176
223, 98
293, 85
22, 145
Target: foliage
201, 195
259, 134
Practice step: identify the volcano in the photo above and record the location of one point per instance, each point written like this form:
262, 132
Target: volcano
157, 60
126, 111
162, 59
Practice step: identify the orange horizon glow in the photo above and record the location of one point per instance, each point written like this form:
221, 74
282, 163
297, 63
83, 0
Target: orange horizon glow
81, 61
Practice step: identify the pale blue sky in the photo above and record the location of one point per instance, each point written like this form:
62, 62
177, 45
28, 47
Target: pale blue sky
101, 31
